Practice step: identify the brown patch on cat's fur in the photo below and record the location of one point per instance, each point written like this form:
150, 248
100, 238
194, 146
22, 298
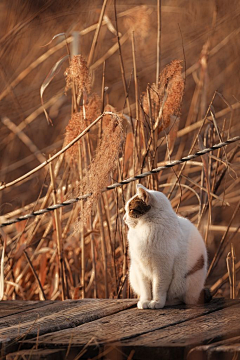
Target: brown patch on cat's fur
198, 266
137, 207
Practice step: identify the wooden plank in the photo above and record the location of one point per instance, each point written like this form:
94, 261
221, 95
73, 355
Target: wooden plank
176, 341
37, 354
11, 307
57, 316
132, 323
40, 309
222, 350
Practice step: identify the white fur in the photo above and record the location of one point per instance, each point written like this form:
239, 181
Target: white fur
163, 248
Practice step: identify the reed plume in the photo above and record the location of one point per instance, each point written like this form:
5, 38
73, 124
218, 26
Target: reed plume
78, 123
77, 74
104, 162
166, 97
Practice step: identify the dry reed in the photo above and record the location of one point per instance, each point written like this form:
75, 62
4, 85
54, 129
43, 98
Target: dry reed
41, 255
98, 175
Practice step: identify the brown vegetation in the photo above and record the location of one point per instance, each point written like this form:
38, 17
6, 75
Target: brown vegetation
81, 250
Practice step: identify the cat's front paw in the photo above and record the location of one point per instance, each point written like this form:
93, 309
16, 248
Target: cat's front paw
153, 304
143, 304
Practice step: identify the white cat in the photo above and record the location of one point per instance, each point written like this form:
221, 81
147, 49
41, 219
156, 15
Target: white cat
168, 255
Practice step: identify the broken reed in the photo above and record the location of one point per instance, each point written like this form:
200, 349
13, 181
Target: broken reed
87, 255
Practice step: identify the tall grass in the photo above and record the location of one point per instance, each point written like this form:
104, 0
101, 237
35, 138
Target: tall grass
81, 250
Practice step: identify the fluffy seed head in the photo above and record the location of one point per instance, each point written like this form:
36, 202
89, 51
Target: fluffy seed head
77, 124
78, 74
103, 164
172, 82
166, 95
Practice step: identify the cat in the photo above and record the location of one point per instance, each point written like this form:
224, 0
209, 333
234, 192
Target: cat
168, 257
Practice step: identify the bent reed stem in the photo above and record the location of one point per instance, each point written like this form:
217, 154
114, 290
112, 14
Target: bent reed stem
23, 177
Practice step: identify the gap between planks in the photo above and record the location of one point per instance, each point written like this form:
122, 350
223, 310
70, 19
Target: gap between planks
55, 316
129, 324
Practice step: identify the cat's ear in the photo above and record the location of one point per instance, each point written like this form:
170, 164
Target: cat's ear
143, 193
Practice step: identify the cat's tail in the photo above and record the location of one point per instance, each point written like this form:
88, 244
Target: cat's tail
205, 296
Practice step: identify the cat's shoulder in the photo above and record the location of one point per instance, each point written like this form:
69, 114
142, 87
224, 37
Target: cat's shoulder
187, 227
184, 222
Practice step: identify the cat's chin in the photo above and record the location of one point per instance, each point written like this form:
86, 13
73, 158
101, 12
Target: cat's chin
131, 223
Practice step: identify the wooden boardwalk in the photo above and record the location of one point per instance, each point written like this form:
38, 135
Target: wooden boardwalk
116, 329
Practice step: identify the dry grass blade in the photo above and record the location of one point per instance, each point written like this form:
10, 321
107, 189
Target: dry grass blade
231, 257
53, 72
212, 112
104, 248
207, 177
94, 43
172, 135
221, 199
220, 282
95, 158
199, 123
31, 67
42, 294
110, 26
121, 60
219, 250
54, 37
2, 273
28, 120
59, 236
51, 51
159, 22
58, 153
24, 138
103, 163
135, 76
111, 51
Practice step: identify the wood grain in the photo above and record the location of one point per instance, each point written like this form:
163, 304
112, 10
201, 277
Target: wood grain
12, 307
222, 350
130, 324
57, 316
118, 329
37, 354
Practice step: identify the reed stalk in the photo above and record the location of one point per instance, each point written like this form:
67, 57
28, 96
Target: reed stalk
59, 236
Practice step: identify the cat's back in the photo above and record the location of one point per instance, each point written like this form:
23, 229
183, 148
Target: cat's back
188, 228
191, 238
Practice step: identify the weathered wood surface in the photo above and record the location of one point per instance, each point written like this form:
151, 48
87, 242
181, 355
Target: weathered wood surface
222, 350
179, 339
63, 330
54, 316
36, 354
15, 307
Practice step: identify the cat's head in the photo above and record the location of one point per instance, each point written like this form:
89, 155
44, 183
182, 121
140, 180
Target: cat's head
145, 205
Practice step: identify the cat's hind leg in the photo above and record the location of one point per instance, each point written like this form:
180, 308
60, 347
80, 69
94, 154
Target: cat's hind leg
194, 286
